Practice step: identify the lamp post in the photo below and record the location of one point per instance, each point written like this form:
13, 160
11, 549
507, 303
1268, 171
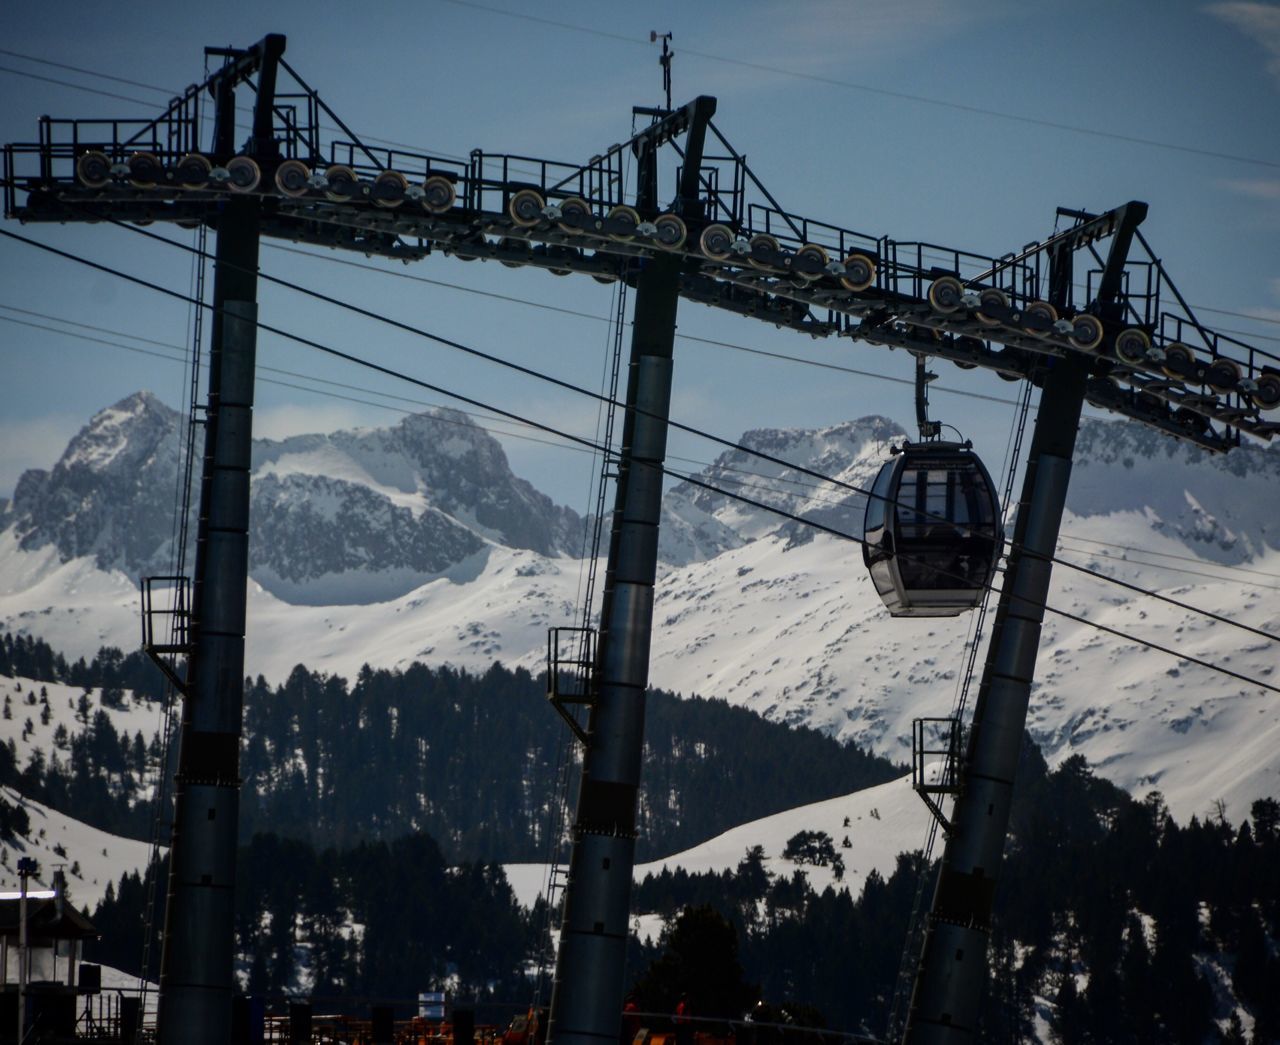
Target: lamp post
27, 868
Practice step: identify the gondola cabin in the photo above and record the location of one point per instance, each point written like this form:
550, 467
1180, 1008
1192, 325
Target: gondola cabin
932, 530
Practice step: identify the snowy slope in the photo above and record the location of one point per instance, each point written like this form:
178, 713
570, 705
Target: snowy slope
883, 821
102, 858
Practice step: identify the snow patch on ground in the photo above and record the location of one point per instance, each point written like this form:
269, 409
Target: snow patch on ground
103, 858
883, 821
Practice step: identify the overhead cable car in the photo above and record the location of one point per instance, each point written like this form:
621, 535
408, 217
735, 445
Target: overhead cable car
932, 530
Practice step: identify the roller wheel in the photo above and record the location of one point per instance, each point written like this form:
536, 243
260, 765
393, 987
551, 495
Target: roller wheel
1042, 310
716, 242
1132, 345
388, 189
859, 272
810, 262
1222, 375
670, 231
94, 170
438, 194
145, 170
243, 174
342, 182
575, 215
1086, 332
193, 170
470, 248
519, 245
525, 208
991, 298
292, 177
1267, 395
945, 294
1179, 361
762, 242
1190, 420
557, 252
1153, 403
599, 277
622, 223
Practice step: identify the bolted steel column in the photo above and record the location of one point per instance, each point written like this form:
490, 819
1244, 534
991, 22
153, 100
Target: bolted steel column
948, 990
196, 957
196, 963
586, 999
947, 995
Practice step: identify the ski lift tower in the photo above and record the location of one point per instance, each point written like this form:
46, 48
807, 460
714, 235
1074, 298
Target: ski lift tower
1130, 345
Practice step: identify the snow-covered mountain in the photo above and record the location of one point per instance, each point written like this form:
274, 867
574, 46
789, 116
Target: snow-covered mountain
357, 516
417, 542
699, 524
1222, 507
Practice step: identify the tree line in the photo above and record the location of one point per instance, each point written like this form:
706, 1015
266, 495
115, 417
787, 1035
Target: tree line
382, 919
379, 797
1113, 923
479, 761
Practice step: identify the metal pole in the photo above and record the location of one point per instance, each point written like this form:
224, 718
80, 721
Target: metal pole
947, 995
196, 963
946, 999
586, 999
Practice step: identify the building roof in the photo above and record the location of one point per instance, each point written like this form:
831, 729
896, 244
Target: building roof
47, 919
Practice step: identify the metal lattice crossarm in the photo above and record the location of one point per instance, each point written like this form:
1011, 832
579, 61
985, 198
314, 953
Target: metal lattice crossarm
1149, 357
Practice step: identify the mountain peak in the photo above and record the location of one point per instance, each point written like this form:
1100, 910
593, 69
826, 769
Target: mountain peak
873, 428
699, 523
122, 435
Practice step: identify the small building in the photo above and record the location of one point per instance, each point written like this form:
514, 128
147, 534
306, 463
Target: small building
55, 937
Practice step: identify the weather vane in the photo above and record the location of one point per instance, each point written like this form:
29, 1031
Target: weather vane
664, 61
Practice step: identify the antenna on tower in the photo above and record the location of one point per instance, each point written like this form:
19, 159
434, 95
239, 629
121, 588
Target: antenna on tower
664, 60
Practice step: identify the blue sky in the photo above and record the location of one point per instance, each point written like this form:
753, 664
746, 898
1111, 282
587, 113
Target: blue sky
447, 76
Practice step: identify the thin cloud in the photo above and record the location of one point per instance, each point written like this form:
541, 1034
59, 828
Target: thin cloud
820, 36
37, 443
1259, 22
1254, 188
288, 419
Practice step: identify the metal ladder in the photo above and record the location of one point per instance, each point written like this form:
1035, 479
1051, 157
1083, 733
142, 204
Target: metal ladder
166, 654
949, 781
571, 675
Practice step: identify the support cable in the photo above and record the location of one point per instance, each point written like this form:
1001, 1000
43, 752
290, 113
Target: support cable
881, 91
177, 568
692, 480
689, 429
493, 422
1152, 143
